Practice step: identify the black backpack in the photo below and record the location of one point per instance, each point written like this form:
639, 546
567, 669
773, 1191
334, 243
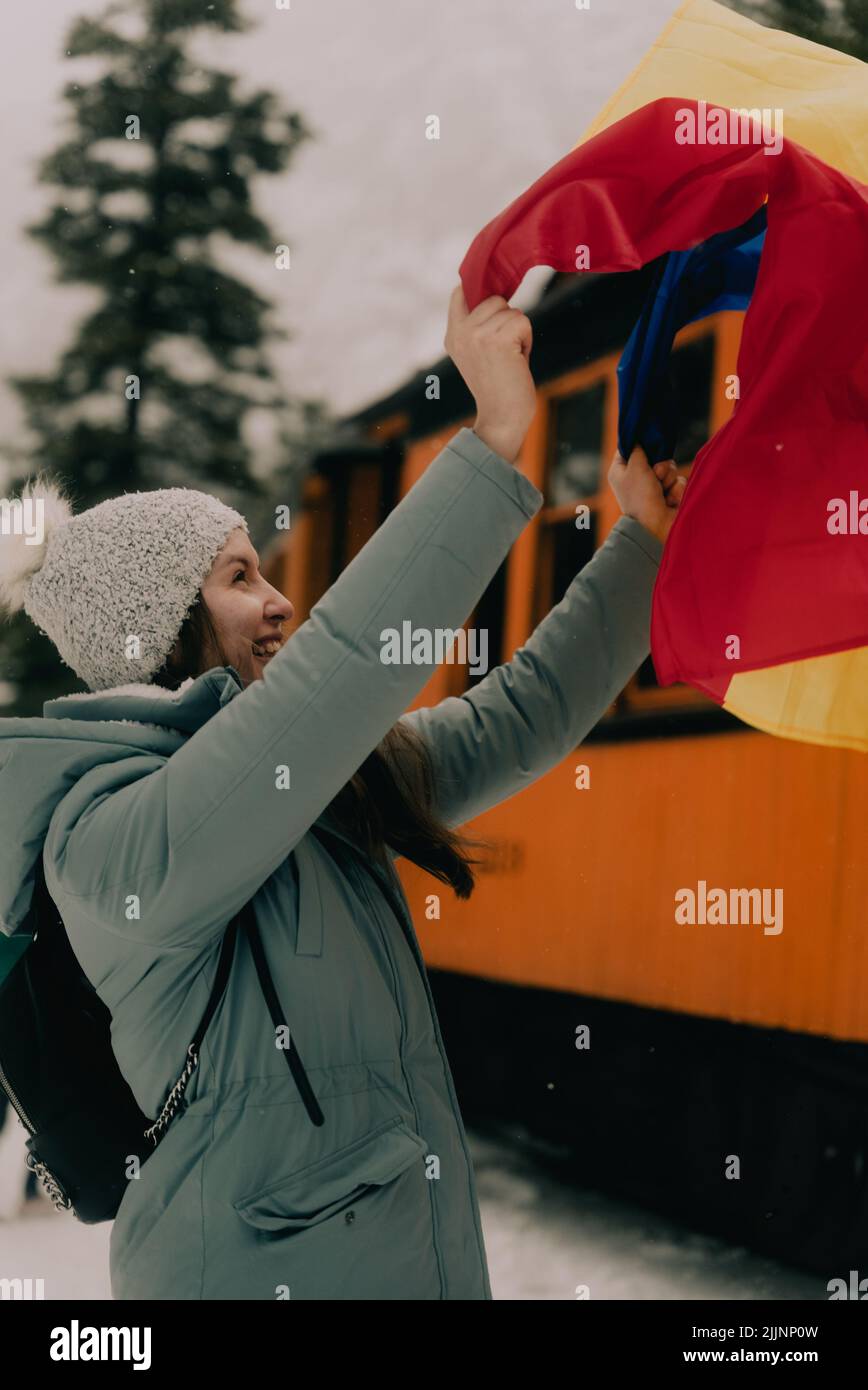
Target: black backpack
59, 1072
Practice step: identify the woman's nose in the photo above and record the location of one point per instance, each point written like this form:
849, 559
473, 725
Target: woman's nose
279, 608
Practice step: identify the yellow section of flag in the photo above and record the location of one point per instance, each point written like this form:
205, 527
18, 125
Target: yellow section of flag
821, 700
709, 53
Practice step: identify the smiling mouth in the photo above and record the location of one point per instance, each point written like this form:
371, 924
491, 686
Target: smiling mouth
266, 650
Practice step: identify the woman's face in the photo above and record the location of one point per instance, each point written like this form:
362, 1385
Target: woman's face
247, 611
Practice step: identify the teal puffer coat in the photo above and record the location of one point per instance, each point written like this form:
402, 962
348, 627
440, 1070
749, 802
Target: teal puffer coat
159, 814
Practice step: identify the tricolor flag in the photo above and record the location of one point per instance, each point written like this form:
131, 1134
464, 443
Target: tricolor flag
738, 155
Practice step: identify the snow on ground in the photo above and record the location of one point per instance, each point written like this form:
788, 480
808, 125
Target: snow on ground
543, 1238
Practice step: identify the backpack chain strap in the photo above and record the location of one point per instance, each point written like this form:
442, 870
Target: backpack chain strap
52, 1187
174, 1100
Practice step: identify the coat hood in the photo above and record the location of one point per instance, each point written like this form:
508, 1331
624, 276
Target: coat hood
41, 758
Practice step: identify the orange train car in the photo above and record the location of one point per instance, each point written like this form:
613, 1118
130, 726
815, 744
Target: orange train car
715, 1072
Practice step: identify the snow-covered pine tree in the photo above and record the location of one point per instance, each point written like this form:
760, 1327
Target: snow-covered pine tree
153, 389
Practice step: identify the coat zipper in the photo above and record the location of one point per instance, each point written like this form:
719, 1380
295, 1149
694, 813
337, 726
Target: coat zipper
7, 1087
406, 925
396, 990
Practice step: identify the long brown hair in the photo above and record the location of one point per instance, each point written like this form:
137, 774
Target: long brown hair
389, 801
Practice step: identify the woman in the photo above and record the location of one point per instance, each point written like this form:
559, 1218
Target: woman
162, 805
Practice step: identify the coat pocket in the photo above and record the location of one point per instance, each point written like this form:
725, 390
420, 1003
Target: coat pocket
306, 1198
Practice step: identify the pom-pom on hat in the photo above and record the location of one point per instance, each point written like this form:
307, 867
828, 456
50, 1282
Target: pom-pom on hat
111, 586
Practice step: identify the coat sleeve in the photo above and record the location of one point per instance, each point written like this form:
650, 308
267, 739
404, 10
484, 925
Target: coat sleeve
194, 839
528, 714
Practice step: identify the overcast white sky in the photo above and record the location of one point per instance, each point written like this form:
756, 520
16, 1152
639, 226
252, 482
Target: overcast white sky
377, 217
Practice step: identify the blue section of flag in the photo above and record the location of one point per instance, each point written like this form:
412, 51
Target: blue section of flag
718, 274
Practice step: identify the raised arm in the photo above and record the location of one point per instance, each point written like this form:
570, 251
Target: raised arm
197, 837
528, 714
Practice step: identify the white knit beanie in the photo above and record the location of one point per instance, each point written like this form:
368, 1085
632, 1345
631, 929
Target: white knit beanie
111, 586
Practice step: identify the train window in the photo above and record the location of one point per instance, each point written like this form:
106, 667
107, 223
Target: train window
488, 618
691, 366
564, 550
354, 497
644, 692
577, 441
572, 480
314, 573
690, 369
362, 508
337, 487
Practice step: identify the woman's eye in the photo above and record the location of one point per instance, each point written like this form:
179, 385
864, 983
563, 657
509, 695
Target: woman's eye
243, 574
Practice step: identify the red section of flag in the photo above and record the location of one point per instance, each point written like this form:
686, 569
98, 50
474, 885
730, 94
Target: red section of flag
750, 554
